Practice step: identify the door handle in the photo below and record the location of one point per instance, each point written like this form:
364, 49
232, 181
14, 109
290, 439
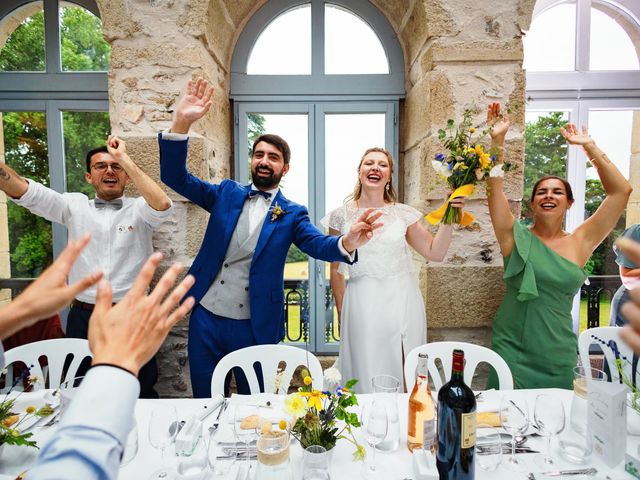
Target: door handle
320, 274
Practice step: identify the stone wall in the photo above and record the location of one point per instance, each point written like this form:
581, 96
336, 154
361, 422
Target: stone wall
454, 59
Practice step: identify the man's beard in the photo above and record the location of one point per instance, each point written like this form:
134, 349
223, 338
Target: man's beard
269, 182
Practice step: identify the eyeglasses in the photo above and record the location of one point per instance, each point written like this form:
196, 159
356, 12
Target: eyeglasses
102, 166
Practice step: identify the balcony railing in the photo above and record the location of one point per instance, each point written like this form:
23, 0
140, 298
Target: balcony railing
595, 291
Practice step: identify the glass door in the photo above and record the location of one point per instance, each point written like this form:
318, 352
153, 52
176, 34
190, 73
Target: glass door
327, 141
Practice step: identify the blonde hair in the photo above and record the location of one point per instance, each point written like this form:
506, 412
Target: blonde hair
390, 195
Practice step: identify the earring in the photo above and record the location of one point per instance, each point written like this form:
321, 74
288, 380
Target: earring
387, 187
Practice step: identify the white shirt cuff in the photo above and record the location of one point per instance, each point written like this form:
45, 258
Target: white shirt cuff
343, 251
179, 137
96, 406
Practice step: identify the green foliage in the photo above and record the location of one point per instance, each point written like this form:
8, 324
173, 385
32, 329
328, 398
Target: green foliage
25, 133
296, 255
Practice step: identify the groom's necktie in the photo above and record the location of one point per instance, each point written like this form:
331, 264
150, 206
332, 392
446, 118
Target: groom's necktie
265, 195
115, 204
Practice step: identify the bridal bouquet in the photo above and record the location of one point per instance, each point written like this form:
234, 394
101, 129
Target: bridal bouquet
464, 163
10, 420
322, 417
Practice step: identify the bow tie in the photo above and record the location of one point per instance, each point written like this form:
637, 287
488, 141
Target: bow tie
115, 204
253, 193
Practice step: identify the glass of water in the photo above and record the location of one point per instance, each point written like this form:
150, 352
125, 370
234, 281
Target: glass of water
315, 463
488, 448
386, 388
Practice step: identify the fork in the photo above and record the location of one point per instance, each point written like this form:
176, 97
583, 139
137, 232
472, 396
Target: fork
216, 422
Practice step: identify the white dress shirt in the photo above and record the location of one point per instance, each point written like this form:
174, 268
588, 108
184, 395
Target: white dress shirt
120, 239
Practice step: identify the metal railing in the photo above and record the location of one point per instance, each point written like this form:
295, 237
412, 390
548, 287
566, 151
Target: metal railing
594, 291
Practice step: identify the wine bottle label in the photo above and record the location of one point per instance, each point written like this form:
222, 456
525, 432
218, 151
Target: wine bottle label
468, 437
428, 434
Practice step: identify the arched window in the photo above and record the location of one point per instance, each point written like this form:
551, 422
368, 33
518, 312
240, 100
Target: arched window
53, 106
327, 76
582, 62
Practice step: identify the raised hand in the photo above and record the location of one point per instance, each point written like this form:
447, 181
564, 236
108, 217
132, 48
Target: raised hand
129, 333
117, 149
362, 230
574, 137
50, 292
498, 122
192, 106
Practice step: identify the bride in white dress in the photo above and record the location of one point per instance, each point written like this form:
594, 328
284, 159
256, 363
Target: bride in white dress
380, 308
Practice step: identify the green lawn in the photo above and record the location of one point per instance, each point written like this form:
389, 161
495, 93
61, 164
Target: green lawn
605, 309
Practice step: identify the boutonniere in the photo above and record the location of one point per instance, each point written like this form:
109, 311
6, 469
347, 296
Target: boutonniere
276, 212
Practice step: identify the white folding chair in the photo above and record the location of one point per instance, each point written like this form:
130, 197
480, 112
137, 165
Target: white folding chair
56, 351
608, 339
473, 355
269, 357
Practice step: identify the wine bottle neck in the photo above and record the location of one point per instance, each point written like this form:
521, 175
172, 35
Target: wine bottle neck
457, 366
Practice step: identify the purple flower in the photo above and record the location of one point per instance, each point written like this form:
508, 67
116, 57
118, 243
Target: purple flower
493, 159
440, 157
450, 165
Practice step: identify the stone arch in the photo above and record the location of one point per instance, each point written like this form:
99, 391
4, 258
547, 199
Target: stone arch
10, 22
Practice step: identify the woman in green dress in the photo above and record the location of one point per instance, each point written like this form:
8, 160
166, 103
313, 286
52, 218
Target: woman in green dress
544, 265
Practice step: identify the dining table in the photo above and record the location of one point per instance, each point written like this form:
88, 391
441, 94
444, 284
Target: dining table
144, 458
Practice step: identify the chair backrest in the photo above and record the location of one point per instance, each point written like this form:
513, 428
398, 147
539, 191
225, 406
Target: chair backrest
608, 339
269, 357
56, 352
473, 355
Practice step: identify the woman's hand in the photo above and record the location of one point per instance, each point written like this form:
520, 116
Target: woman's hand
573, 137
499, 123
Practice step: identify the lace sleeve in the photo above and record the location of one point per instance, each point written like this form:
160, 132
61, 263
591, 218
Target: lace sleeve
407, 214
335, 219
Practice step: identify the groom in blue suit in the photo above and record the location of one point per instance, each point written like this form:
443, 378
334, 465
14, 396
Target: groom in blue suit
239, 270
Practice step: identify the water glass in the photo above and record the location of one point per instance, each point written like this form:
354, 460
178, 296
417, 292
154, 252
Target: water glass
386, 388
218, 462
67, 390
196, 466
273, 456
245, 435
488, 448
548, 413
376, 425
131, 448
315, 463
575, 442
514, 417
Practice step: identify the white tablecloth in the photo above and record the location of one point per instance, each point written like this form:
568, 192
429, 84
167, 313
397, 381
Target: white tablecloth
397, 465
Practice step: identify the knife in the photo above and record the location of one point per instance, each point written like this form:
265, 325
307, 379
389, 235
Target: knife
560, 473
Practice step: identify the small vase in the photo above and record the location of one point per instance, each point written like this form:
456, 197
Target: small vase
633, 421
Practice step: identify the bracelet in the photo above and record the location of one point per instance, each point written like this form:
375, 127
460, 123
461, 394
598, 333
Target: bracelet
114, 366
496, 172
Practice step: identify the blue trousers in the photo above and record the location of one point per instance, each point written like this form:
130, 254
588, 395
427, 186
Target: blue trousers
211, 337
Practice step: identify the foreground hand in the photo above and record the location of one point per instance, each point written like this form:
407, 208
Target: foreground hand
498, 122
129, 333
49, 293
572, 136
192, 106
362, 230
457, 202
117, 148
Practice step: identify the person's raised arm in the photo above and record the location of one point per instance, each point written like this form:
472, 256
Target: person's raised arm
150, 190
11, 183
48, 294
431, 247
192, 106
501, 216
596, 228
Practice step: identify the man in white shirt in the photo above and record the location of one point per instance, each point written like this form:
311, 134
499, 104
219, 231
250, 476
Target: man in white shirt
91, 437
121, 228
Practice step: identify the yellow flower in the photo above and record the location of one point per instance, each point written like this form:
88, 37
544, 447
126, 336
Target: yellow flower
314, 399
31, 409
282, 424
295, 405
460, 166
472, 130
307, 380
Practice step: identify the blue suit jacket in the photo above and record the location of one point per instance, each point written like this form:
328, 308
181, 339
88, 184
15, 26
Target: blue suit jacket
224, 202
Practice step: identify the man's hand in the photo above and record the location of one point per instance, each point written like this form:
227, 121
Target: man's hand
192, 106
129, 333
362, 230
118, 150
49, 293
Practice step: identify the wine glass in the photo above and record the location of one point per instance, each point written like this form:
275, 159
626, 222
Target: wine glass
514, 416
548, 414
163, 427
376, 425
244, 435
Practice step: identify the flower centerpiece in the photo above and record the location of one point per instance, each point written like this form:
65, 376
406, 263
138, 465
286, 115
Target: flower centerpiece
464, 163
322, 417
10, 420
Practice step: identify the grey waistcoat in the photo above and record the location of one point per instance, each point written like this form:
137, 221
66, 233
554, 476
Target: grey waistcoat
228, 295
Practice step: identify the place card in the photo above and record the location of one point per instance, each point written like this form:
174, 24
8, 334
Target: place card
607, 417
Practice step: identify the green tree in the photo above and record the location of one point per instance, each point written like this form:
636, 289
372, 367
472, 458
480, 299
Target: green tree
25, 134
